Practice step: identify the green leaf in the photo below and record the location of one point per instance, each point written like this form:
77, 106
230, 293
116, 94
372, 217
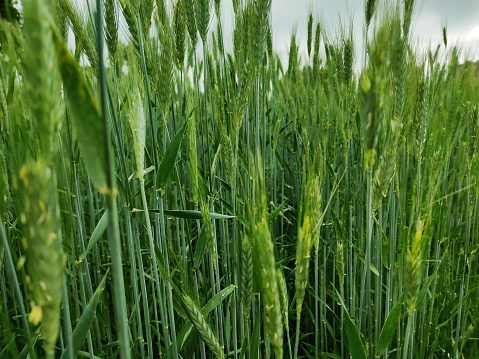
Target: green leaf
243, 348
356, 347
254, 349
242, 159
84, 324
225, 184
83, 354
168, 161
389, 327
337, 225
183, 336
200, 248
192, 214
86, 116
332, 356
240, 218
284, 165
362, 256
148, 185
11, 87
96, 235
422, 293
278, 211
217, 299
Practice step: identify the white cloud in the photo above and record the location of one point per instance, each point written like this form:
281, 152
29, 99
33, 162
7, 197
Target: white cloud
473, 34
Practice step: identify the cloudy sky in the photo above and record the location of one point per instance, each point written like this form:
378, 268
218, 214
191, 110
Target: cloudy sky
461, 17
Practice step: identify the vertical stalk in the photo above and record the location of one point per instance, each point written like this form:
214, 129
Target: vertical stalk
144, 292
155, 265
316, 305
465, 266
119, 297
67, 326
379, 277
205, 84
10, 266
367, 262
409, 337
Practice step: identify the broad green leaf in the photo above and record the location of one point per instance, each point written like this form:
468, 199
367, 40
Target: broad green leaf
84, 324
200, 248
422, 293
240, 218
361, 256
337, 225
217, 299
225, 184
254, 348
242, 159
332, 356
96, 235
243, 348
389, 328
278, 211
83, 354
356, 347
11, 88
86, 116
168, 161
183, 336
283, 164
192, 214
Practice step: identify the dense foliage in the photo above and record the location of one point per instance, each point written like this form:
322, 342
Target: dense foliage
159, 201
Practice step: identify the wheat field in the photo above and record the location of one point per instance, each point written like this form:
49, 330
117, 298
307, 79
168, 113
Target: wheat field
163, 196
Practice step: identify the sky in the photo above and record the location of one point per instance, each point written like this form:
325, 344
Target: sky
460, 17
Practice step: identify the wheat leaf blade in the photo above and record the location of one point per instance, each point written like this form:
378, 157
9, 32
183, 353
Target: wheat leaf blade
96, 235
389, 328
168, 161
86, 116
86, 320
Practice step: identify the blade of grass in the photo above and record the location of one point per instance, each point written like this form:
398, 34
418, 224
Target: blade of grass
84, 324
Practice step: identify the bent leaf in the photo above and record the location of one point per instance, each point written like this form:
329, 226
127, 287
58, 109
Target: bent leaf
86, 116
200, 248
389, 328
192, 214
168, 161
356, 347
96, 235
84, 323
217, 299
